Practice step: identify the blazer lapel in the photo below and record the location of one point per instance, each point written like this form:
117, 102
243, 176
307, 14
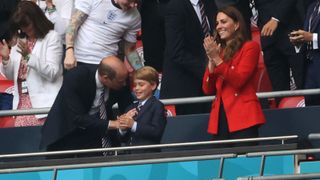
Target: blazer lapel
194, 15
145, 107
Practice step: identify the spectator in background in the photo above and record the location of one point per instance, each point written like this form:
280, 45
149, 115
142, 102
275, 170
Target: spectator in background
59, 13
308, 40
95, 29
276, 19
186, 25
5, 36
233, 62
33, 63
6, 9
153, 34
144, 122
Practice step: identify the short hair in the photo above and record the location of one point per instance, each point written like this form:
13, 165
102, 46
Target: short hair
29, 12
147, 73
105, 69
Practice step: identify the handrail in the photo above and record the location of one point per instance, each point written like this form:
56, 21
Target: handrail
171, 145
287, 177
118, 163
314, 136
189, 100
283, 152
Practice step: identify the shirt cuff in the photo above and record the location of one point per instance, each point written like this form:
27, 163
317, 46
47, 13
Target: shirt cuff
134, 127
315, 41
275, 19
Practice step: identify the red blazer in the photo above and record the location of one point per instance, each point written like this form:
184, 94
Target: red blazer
233, 82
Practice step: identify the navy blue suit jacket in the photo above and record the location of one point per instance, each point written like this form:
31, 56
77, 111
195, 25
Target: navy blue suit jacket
69, 125
314, 53
151, 122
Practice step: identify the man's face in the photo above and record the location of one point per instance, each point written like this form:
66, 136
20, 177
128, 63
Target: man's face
118, 82
127, 4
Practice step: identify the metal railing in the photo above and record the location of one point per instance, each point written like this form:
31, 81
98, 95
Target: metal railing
56, 168
278, 153
190, 100
171, 145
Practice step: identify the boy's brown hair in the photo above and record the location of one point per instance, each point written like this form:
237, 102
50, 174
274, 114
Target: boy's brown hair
147, 73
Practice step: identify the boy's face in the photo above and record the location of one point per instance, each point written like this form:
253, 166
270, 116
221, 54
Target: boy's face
143, 89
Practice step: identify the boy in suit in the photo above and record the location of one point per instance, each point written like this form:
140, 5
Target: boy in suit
145, 120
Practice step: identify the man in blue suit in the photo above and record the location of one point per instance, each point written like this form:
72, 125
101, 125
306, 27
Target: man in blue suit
307, 41
75, 121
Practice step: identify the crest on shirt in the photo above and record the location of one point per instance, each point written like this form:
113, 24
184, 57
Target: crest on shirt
111, 15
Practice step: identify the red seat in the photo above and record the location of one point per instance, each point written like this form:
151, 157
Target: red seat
292, 102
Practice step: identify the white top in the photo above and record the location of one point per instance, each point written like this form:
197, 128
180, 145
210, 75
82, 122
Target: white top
105, 26
44, 77
61, 17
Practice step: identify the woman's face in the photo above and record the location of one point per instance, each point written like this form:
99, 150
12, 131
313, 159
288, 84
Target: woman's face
225, 27
29, 30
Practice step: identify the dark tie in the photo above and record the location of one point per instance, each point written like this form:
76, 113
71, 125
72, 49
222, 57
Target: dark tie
139, 106
204, 22
106, 140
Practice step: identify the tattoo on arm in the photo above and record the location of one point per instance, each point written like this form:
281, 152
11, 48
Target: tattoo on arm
78, 17
129, 47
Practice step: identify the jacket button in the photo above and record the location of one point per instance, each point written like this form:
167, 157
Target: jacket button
232, 67
235, 94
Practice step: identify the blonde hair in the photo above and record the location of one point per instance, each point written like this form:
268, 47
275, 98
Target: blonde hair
147, 73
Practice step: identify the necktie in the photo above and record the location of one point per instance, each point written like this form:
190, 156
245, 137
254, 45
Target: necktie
204, 22
139, 106
106, 140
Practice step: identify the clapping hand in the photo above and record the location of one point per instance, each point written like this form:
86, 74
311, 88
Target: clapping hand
126, 122
212, 49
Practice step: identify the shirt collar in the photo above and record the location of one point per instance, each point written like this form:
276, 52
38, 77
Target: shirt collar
143, 101
194, 2
98, 83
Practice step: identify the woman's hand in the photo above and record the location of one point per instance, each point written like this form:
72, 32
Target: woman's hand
24, 49
4, 52
212, 50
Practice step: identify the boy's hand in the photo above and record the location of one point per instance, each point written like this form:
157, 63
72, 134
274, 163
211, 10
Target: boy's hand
126, 122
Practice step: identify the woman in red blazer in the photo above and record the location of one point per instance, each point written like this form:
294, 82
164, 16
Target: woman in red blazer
232, 64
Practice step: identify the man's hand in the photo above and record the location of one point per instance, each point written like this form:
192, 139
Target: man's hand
300, 36
269, 28
69, 61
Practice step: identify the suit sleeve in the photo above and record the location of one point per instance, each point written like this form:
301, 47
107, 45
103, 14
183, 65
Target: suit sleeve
75, 109
238, 75
154, 128
175, 40
208, 83
284, 9
281, 9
